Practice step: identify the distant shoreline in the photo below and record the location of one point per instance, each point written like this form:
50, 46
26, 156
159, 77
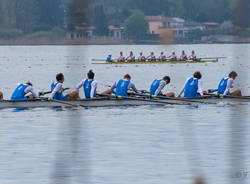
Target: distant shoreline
37, 42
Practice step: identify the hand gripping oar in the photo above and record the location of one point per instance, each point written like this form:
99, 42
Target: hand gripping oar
145, 100
41, 93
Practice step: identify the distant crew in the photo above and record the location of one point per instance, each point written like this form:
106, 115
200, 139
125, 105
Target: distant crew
109, 58
141, 57
89, 86
158, 85
23, 90
151, 57
131, 57
183, 56
173, 57
193, 86
122, 87
162, 57
192, 56
121, 58
227, 83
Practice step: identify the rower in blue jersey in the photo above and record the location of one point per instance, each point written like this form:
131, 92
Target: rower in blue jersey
227, 83
158, 85
89, 86
22, 91
193, 86
122, 87
109, 58
57, 88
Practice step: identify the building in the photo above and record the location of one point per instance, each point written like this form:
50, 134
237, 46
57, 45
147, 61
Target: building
81, 33
162, 25
116, 32
211, 25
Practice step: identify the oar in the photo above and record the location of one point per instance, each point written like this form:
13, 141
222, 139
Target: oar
213, 58
41, 93
145, 100
98, 60
176, 99
63, 102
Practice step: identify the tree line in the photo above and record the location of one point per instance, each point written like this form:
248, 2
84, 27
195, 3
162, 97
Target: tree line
29, 16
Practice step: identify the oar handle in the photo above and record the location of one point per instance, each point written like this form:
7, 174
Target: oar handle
41, 93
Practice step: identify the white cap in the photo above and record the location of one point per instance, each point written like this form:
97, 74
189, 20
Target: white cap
28, 82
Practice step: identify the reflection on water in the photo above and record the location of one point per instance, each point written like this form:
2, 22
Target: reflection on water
148, 144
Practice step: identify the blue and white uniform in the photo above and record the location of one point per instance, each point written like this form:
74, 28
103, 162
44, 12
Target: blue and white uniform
157, 86
89, 88
57, 91
21, 91
192, 88
109, 59
122, 87
224, 86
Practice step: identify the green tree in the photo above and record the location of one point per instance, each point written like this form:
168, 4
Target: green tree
99, 21
136, 27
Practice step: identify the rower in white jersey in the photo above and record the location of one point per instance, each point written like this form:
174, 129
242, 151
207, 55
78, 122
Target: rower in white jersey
23, 90
158, 85
173, 57
131, 57
89, 86
227, 83
192, 56
141, 57
122, 87
121, 58
183, 56
193, 87
151, 57
162, 57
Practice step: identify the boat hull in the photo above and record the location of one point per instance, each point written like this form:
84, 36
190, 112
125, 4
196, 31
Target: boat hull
157, 62
117, 102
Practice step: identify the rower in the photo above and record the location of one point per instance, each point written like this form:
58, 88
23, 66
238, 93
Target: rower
131, 57
193, 56
183, 56
109, 58
162, 57
173, 57
158, 85
193, 87
22, 90
227, 83
57, 88
1, 95
121, 57
141, 57
151, 57
89, 86
122, 87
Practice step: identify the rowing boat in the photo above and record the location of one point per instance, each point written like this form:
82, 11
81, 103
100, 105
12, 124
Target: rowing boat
156, 62
107, 102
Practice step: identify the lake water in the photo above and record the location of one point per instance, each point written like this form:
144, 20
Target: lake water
148, 144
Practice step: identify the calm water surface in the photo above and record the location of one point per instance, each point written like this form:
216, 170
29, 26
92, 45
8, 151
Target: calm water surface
147, 144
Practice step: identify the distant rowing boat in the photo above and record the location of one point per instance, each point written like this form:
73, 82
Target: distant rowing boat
116, 102
158, 62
